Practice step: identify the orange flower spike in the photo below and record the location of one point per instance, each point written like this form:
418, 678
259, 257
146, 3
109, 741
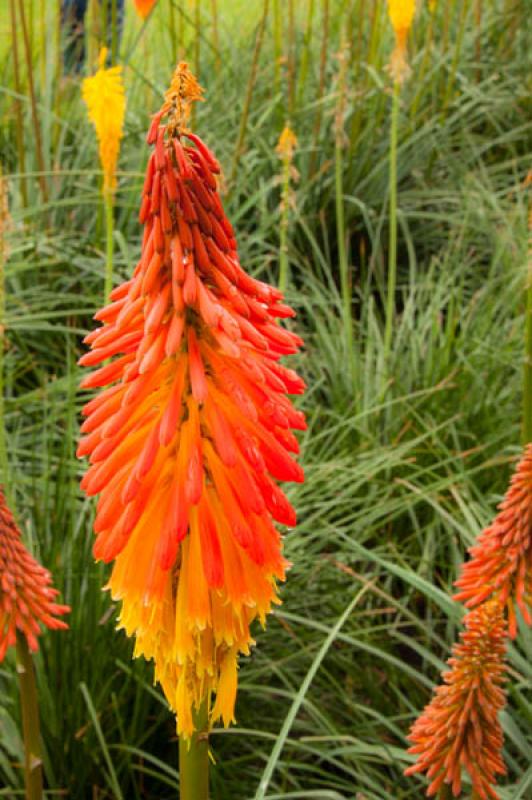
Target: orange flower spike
27, 597
501, 558
460, 726
188, 441
144, 7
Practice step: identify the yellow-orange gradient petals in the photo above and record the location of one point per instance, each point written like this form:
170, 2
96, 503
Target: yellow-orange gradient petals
144, 7
401, 13
193, 431
105, 98
27, 597
460, 728
501, 558
287, 144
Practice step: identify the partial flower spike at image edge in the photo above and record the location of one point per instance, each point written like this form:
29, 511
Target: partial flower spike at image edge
190, 430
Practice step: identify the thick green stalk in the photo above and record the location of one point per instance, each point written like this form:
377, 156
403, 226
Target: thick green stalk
108, 199
215, 33
321, 87
392, 246
19, 123
33, 101
420, 73
173, 30
303, 71
197, 39
194, 759
283, 230
104, 20
114, 32
42, 45
345, 284
277, 43
527, 382
291, 58
456, 59
30, 720
197, 53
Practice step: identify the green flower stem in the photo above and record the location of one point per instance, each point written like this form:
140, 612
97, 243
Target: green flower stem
341, 233
527, 382
114, 33
283, 234
108, 199
194, 759
30, 720
392, 247
277, 44
3, 213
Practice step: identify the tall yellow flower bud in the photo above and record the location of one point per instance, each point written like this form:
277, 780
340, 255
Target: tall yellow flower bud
401, 13
144, 7
104, 96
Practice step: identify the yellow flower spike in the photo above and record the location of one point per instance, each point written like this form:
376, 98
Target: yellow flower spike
401, 13
105, 98
287, 143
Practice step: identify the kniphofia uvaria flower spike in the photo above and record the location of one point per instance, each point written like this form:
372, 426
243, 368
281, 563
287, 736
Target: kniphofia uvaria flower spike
27, 598
193, 431
460, 728
501, 558
144, 7
105, 98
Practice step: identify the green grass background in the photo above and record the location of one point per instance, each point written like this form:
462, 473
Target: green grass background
404, 462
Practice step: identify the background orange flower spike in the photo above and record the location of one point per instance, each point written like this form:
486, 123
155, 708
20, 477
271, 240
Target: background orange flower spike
144, 7
460, 726
187, 442
26, 594
501, 558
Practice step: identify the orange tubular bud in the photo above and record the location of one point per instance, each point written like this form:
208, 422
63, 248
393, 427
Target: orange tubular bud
460, 726
501, 558
27, 597
186, 446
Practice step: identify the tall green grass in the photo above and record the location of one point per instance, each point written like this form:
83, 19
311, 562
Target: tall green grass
399, 480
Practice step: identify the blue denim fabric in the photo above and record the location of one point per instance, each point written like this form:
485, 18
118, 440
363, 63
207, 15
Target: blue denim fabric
73, 27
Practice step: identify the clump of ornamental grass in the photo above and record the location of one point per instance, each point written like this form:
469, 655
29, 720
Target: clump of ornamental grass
187, 442
27, 602
105, 98
460, 727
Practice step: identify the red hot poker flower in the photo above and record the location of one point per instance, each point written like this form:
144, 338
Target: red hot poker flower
460, 726
501, 558
188, 441
26, 595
